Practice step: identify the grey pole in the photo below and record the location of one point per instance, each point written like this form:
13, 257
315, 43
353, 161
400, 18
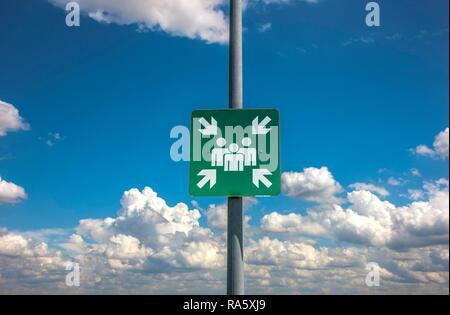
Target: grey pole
236, 99
235, 251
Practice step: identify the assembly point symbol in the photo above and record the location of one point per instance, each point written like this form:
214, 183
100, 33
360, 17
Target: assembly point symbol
233, 160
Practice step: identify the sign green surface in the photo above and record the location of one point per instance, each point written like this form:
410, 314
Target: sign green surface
235, 153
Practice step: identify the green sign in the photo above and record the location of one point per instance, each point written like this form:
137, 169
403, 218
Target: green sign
235, 153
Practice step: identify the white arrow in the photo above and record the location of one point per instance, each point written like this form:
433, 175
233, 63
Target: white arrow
210, 129
259, 175
209, 176
260, 128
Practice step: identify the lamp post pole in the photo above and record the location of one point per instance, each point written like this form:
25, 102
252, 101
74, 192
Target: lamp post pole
235, 250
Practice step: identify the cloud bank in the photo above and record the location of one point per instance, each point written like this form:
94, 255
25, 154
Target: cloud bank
370, 221
153, 248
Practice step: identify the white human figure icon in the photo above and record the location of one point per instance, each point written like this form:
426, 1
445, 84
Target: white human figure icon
218, 152
234, 161
249, 153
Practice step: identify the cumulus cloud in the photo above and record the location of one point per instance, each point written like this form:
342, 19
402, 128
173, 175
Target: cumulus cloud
424, 150
15, 245
291, 223
150, 235
151, 247
126, 247
217, 215
373, 222
10, 119
367, 220
25, 263
147, 237
313, 184
10, 192
273, 252
202, 255
195, 19
298, 266
440, 146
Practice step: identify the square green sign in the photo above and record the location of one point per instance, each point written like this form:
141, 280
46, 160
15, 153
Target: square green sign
235, 153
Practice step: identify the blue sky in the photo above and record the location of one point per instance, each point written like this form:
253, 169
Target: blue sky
353, 99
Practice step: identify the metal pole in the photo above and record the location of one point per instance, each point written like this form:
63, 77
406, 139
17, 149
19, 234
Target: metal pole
236, 99
235, 251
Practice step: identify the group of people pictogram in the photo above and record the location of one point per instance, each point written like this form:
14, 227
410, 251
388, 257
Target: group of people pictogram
233, 158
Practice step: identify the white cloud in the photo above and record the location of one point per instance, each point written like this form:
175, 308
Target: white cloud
195, 19
373, 222
24, 263
424, 150
155, 248
217, 215
202, 255
265, 27
441, 143
148, 217
415, 194
381, 191
52, 138
312, 184
367, 220
423, 223
126, 247
273, 252
15, 245
291, 223
151, 236
415, 172
10, 192
10, 119
150, 247
122, 252
392, 181
440, 146
361, 40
